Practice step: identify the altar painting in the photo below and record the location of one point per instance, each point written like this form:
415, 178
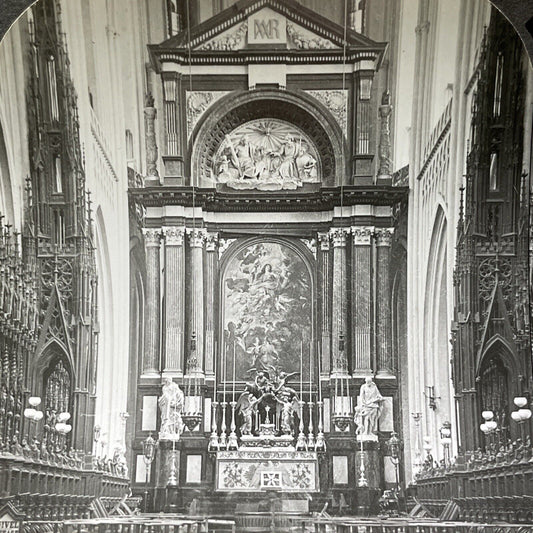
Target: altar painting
267, 312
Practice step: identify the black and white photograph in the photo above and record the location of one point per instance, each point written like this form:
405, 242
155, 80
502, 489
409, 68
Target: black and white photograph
265, 266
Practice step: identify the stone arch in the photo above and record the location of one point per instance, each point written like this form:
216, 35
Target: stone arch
298, 108
106, 341
497, 380
437, 371
6, 187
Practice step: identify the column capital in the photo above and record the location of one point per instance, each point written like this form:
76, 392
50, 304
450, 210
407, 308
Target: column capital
324, 240
212, 241
173, 235
197, 237
152, 236
384, 236
338, 235
362, 235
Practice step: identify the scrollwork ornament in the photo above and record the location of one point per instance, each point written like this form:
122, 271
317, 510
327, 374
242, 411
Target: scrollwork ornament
227, 42
384, 236
338, 236
197, 237
173, 236
152, 236
211, 242
362, 235
324, 240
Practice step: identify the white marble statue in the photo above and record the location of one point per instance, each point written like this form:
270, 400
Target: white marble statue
368, 410
171, 405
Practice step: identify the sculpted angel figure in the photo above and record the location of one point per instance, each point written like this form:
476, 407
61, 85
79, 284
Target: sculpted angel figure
246, 406
288, 404
171, 405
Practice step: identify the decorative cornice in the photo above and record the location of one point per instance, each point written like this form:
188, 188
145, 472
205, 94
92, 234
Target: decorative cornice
197, 237
362, 235
323, 199
338, 236
174, 236
384, 236
152, 236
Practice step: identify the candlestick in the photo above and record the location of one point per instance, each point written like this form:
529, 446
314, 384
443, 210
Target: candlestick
319, 376
225, 369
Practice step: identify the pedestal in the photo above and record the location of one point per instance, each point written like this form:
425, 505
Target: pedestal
368, 476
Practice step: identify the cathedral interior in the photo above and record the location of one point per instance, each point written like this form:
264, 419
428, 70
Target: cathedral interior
264, 266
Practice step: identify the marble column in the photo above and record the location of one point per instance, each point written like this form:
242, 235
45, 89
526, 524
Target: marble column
339, 323
384, 152
383, 301
174, 300
152, 304
210, 300
361, 299
325, 300
197, 238
150, 137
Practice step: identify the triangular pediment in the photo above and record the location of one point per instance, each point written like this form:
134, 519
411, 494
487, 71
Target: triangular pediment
55, 325
267, 24
496, 322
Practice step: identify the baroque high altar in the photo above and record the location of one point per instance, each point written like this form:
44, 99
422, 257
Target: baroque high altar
268, 264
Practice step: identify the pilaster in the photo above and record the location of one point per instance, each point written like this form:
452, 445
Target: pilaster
383, 301
151, 354
324, 241
210, 301
174, 300
361, 299
339, 322
197, 240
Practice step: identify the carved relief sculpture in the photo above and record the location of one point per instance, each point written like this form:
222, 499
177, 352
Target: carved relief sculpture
268, 155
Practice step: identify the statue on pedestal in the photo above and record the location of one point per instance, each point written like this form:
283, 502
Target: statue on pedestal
171, 405
368, 409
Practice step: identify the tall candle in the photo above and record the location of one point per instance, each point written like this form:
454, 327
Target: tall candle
233, 371
319, 376
225, 364
215, 373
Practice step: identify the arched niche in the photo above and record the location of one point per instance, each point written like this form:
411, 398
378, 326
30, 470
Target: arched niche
497, 382
267, 295
54, 378
300, 110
